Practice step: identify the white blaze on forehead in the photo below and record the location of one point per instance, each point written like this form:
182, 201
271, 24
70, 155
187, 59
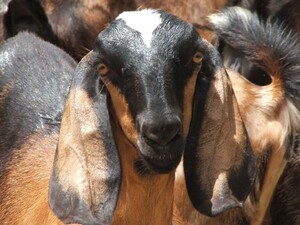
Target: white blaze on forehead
144, 21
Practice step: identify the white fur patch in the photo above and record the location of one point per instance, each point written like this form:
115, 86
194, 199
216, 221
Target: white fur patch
218, 19
224, 19
143, 21
3, 8
5, 58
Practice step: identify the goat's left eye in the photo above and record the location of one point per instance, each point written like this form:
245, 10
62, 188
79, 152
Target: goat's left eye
197, 58
103, 69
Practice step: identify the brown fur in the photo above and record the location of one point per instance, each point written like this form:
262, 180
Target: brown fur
94, 15
188, 102
273, 118
122, 112
88, 18
143, 200
22, 198
80, 148
4, 93
77, 24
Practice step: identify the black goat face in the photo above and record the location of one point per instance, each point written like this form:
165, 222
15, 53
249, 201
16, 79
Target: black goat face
149, 61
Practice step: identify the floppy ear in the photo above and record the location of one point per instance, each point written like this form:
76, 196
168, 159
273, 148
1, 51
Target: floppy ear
85, 179
219, 164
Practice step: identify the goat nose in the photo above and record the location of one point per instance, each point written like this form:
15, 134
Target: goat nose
160, 131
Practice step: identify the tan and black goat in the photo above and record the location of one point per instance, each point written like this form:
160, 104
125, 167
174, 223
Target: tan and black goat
263, 61
123, 127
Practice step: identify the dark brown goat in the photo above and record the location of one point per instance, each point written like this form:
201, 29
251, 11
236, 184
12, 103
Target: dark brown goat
266, 85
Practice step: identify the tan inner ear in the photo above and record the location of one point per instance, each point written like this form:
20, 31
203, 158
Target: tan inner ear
230, 135
121, 110
78, 146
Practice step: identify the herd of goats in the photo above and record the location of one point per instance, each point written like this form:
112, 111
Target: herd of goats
150, 112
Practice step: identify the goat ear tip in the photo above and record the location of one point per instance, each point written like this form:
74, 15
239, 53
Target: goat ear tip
218, 20
218, 206
223, 205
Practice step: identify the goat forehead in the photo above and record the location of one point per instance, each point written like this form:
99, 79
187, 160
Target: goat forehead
172, 41
153, 29
144, 21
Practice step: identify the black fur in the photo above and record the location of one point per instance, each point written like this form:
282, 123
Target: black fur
28, 15
289, 14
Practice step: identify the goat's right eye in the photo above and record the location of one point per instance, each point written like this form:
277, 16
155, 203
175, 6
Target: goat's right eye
103, 69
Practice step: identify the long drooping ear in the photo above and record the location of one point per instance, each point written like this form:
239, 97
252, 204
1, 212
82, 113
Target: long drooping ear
219, 164
85, 180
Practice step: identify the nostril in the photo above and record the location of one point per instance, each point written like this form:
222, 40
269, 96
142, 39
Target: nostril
161, 132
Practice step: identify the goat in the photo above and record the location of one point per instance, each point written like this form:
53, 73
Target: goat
123, 128
263, 67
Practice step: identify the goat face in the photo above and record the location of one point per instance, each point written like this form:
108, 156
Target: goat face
150, 64
150, 59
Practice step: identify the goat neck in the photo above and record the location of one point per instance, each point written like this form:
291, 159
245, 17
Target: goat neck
144, 198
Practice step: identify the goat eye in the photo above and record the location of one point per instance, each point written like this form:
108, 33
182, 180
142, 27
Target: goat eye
103, 69
197, 58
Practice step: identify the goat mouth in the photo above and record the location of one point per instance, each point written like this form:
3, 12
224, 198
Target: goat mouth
161, 158
161, 166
